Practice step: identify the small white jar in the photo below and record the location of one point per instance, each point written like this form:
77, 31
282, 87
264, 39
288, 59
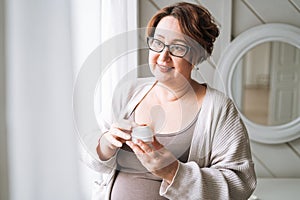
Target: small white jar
143, 133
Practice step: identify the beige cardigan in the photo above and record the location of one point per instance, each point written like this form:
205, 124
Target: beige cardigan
219, 164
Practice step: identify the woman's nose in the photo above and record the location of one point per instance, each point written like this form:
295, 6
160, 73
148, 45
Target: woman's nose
165, 54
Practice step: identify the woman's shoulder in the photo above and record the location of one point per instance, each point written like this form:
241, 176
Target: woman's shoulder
215, 96
220, 106
130, 87
218, 103
129, 92
140, 83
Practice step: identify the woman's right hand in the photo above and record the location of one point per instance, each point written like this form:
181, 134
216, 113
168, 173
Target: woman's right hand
113, 139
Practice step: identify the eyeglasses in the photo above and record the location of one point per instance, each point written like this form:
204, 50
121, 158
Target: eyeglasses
178, 50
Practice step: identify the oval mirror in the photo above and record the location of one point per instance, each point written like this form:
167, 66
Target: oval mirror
260, 71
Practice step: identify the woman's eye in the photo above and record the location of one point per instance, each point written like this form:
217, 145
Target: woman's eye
178, 48
157, 43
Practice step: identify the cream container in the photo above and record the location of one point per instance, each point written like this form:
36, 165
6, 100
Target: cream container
143, 133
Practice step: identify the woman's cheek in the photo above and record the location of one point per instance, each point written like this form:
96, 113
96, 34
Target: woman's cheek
152, 57
151, 61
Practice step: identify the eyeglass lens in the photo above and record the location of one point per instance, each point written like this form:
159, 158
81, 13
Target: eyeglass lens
156, 45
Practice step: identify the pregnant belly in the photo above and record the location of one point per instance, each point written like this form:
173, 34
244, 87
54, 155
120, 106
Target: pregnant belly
136, 186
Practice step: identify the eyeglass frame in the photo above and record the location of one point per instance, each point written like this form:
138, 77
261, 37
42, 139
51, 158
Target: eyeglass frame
188, 48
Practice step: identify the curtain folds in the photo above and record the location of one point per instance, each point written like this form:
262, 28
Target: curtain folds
119, 33
47, 42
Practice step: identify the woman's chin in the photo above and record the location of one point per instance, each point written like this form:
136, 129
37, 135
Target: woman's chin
162, 76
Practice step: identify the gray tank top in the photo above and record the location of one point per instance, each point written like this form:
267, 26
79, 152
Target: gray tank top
133, 181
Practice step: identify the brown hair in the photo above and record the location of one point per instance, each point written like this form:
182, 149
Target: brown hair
195, 21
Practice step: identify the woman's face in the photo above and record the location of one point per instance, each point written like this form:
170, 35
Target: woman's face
164, 66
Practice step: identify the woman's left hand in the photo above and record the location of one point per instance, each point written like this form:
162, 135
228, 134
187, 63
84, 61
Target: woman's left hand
155, 158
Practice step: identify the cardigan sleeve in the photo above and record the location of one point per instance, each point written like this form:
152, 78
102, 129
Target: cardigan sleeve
90, 158
104, 120
220, 164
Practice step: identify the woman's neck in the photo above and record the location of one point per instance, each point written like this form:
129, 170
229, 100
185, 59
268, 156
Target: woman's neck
173, 91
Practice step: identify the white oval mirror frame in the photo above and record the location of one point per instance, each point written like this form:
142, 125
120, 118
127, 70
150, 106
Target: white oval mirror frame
228, 61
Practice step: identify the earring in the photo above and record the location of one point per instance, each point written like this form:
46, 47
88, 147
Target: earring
195, 67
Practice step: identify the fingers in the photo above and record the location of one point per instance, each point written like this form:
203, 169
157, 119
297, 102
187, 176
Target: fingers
116, 137
155, 161
143, 150
114, 142
156, 144
141, 147
144, 146
117, 133
135, 148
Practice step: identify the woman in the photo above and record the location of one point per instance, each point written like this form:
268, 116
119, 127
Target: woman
201, 148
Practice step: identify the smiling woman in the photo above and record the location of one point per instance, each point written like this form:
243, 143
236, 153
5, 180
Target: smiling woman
199, 137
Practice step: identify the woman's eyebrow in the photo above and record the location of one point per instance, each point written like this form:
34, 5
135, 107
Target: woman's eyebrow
179, 40
158, 35
174, 40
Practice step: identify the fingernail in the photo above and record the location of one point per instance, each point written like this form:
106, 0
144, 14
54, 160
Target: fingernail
140, 141
127, 137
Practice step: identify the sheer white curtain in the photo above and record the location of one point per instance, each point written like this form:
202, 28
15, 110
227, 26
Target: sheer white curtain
118, 25
46, 44
41, 140
96, 27
107, 26
86, 36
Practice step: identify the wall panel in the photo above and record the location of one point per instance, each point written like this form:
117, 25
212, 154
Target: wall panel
242, 18
278, 11
279, 159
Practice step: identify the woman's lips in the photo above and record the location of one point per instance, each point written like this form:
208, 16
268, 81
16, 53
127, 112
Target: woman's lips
164, 68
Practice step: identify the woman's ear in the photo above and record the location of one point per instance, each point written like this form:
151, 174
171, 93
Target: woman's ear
197, 55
